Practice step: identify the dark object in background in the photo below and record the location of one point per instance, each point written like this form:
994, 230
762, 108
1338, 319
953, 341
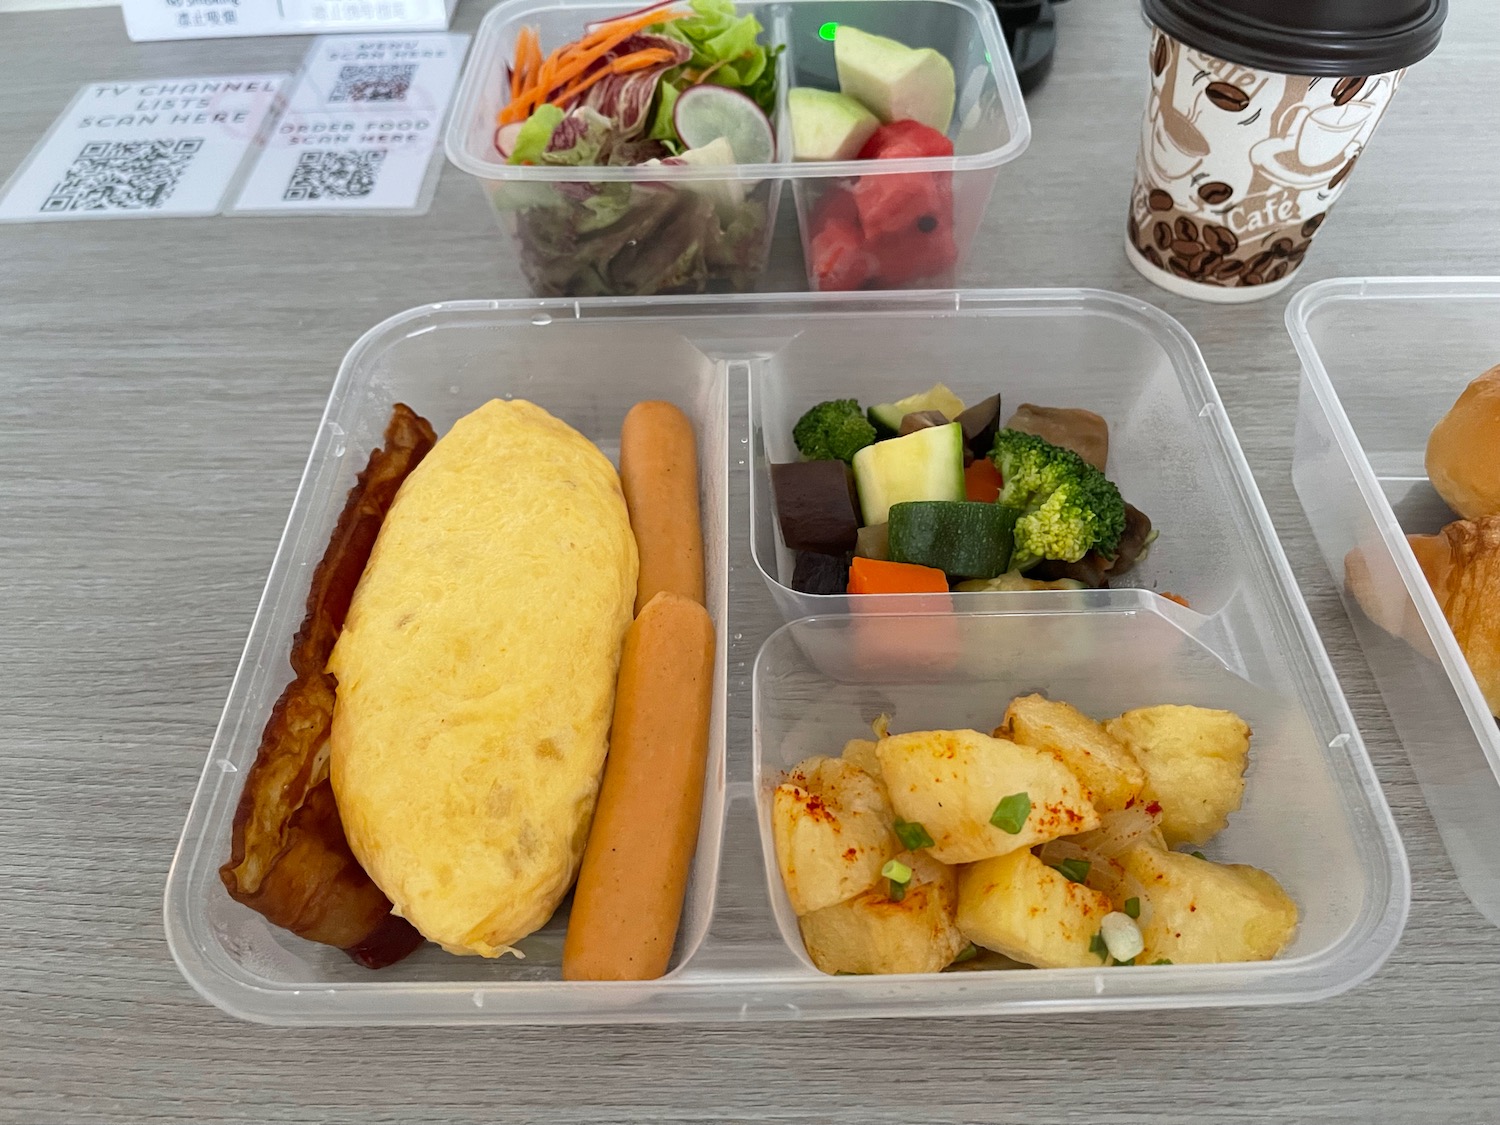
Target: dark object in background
1030, 28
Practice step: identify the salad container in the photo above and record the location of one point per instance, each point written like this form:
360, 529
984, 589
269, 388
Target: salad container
1383, 359
646, 230
1313, 814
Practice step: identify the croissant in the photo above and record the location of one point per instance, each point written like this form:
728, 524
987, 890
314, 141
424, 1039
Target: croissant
1462, 563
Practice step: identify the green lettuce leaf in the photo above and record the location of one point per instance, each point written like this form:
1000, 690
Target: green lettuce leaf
728, 45
532, 140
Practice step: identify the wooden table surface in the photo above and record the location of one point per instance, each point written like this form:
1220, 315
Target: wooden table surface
164, 379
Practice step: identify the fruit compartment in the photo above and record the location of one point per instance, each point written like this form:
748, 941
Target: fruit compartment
907, 223
734, 962
1383, 359
820, 681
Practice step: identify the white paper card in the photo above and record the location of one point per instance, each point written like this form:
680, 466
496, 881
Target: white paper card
345, 73
133, 149
362, 128
207, 19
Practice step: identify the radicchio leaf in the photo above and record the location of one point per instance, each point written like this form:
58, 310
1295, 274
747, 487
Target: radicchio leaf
626, 98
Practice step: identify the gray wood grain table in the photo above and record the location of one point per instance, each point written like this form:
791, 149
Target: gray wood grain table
162, 382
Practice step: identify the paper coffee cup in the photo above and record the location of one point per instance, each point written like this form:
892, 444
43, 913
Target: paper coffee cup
1239, 166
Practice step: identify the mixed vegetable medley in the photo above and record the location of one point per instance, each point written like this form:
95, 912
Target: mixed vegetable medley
924, 495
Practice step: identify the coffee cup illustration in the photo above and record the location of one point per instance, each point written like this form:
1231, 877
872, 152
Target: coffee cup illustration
1238, 166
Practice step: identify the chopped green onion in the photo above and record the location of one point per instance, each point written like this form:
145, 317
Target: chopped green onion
1199, 855
1122, 937
1118, 964
1011, 813
967, 953
1133, 907
1162, 961
897, 872
1073, 870
896, 891
1096, 945
913, 835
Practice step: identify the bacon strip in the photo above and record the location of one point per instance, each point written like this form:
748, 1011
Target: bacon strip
289, 859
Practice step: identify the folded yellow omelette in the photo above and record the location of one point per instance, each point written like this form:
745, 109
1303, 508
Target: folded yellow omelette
476, 676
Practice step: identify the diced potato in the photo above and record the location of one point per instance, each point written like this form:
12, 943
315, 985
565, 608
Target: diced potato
1194, 911
1109, 771
952, 781
831, 824
871, 933
1195, 765
861, 752
1016, 905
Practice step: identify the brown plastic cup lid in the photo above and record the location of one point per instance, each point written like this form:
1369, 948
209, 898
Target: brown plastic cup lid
1332, 38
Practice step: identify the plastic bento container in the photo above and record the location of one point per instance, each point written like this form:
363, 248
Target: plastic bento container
989, 129
1383, 359
730, 212
736, 958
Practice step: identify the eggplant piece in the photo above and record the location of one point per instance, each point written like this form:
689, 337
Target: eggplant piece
1082, 431
980, 423
1134, 543
922, 420
816, 573
816, 506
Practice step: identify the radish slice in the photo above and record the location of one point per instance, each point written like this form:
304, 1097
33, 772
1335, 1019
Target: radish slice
594, 25
703, 114
505, 138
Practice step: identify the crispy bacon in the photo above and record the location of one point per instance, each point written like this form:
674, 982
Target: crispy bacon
289, 859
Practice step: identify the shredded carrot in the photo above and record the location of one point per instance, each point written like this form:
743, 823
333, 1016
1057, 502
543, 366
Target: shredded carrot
536, 80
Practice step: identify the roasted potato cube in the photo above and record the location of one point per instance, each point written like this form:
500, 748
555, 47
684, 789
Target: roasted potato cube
1195, 765
1195, 911
953, 781
831, 824
873, 933
1016, 905
861, 752
1110, 773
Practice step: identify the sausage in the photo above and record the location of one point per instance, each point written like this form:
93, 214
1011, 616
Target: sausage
659, 472
628, 900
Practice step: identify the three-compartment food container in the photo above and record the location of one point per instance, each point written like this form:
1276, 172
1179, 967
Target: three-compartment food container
1313, 814
697, 229
1383, 360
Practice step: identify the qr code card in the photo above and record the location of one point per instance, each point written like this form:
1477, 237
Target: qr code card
362, 128
136, 149
323, 162
348, 73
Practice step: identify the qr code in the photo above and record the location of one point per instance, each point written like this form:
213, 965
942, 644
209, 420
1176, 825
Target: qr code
373, 83
334, 175
123, 175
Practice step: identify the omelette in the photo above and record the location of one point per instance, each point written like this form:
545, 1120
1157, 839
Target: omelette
476, 677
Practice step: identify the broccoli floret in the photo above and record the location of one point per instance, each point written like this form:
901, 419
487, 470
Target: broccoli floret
1067, 506
833, 431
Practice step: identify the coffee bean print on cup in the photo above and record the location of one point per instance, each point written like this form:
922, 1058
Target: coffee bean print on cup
1220, 238
1343, 173
1215, 192
1310, 227
1160, 56
1347, 89
1161, 200
1163, 236
1228, 97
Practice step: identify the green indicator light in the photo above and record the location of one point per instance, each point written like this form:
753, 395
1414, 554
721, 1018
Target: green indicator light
828, 31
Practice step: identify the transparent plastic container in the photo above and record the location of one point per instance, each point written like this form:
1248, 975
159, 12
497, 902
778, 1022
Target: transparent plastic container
817, 683
1383, 359
938, 202
728, 214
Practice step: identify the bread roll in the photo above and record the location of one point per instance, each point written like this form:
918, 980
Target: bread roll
476, 677
1463, 452
1463, 566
